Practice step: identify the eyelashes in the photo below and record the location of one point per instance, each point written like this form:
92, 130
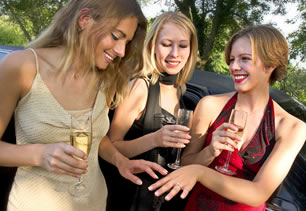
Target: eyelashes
244, 58
169, 45
114, 36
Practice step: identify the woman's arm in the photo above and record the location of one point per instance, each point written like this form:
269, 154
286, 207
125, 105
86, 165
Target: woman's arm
204, 116
17, 73
126, 113
124, 116
12, 85
290, 137
128, 168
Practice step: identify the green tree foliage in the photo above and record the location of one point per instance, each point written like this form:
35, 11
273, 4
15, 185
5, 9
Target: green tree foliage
294, 83
10, 34
32, 16
298, 38
217, 20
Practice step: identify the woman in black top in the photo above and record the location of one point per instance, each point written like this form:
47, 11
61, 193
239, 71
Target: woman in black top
144, 124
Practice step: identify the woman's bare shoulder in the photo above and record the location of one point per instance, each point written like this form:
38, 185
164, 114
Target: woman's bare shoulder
136, 97
210, 106
215, 101
17, 59
138, 87
283, 117
288, 127
19, 65
16, 77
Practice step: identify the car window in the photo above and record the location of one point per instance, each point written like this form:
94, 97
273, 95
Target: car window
2, 55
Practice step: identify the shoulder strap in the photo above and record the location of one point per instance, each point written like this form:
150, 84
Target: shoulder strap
36, 60
150, 123
153, 115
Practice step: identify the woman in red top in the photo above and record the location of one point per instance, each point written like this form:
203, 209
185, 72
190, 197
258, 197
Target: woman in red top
257, 56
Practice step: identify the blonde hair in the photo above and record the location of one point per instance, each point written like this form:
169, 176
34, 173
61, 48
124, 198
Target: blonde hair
65, 31
268, 44
150, 66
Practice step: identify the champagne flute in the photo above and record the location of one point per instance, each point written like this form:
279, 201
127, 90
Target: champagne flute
237, 118
81, 138
184, 117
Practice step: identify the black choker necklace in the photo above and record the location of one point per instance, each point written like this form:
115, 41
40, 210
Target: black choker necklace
167, 79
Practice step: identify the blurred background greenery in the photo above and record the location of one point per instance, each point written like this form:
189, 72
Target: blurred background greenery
215, 20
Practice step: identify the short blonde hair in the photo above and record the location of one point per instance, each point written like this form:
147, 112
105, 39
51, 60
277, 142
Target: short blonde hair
65, 31
150, 67
268, 44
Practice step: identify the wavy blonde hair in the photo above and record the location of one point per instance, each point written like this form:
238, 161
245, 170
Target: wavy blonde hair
65, 31
268, 44
150, 66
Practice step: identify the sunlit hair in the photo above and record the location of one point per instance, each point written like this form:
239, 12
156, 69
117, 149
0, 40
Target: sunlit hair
65, 31
268, 44
150, 66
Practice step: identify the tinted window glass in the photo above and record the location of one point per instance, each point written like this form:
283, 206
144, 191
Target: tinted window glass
2, 55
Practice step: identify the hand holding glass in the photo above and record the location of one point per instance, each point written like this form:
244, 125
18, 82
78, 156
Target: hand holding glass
237, 118
184, 117
80, 137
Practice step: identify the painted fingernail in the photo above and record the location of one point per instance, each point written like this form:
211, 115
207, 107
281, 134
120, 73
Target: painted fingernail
139, 182
150, 188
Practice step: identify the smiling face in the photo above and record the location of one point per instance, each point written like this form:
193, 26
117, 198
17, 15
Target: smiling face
245, 72
113, 44
172, 48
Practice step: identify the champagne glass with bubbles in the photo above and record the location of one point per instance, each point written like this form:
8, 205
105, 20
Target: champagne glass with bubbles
184, 117
81, 138
237, 118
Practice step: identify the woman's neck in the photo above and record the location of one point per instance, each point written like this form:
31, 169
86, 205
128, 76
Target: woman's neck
253, 101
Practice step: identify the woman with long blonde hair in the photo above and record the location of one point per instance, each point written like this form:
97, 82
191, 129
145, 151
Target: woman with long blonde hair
144, 123
74, 68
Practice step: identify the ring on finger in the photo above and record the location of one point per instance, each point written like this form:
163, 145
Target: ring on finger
178, 185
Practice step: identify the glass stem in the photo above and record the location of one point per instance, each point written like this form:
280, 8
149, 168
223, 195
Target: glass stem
80, 180
228, 158
178, 156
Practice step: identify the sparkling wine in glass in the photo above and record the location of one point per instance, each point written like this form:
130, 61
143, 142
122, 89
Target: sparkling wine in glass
237, 118
184, 117
81, 138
